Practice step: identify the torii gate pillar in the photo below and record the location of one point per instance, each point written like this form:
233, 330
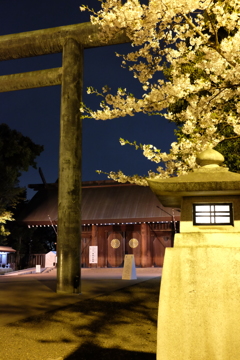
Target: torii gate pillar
69, 188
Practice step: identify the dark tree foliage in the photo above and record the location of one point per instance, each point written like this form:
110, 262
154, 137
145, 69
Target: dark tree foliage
17, 154
27, 241
230, 149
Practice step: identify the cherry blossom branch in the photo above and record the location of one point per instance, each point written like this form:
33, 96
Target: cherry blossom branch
217, 48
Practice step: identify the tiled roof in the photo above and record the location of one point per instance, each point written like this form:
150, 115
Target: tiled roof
106, 203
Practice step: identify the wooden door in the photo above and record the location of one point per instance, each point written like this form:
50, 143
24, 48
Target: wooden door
85, 243
116, 249
133, 245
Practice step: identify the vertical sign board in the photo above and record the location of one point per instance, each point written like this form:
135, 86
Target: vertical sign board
93, 254
129, 269
38, 268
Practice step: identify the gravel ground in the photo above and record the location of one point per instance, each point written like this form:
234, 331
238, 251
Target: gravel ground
119, 325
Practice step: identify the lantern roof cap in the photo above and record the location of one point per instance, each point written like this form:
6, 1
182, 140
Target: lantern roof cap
209, 179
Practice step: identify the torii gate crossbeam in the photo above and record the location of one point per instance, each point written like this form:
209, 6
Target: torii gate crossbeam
71, 41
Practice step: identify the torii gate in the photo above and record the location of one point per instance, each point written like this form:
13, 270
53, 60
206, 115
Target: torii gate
71, 41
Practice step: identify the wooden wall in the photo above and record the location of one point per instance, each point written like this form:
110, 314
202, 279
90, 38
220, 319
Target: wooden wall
146, 241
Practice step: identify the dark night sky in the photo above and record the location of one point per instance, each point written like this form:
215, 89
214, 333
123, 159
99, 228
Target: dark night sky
36, 112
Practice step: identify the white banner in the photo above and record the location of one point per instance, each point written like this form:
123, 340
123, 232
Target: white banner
93, 254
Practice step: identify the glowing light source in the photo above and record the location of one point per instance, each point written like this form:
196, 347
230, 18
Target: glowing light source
210, 214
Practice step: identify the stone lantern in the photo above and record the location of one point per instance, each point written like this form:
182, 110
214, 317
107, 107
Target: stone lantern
199, 308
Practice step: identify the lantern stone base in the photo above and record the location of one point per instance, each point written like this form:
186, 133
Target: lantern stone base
199, 309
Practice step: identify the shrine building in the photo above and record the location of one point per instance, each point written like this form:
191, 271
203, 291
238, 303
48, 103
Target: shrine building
117, 218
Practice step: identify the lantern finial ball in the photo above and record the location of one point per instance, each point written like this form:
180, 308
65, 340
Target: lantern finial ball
210, 158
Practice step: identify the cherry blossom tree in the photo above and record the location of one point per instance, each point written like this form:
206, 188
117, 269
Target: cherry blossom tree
186, 55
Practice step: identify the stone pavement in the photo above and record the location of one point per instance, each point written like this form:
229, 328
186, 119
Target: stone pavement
23, 296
